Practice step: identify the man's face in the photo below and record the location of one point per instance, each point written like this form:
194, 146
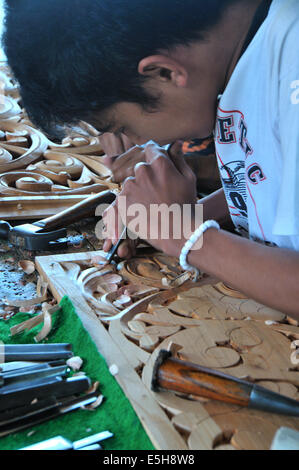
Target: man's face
181, 117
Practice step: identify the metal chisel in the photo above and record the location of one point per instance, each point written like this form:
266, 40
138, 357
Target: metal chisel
21, 393
60, 443
32, 373
35, 352
57, 408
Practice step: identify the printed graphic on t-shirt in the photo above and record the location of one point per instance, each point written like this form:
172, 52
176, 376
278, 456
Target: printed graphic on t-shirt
231, 141
240, 173
237, 169
233, 179
234, 184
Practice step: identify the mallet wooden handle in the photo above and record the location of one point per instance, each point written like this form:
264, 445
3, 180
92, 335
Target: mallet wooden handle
191, 379
75, 213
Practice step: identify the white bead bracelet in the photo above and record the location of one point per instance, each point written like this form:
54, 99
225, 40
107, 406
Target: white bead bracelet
191, 242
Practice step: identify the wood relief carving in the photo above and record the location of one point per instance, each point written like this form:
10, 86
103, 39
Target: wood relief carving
32, 165
148, 303
145, 310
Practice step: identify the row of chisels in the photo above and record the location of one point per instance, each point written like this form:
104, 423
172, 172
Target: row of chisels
36, 386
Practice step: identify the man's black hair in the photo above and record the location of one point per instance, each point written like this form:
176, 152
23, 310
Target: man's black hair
73, 58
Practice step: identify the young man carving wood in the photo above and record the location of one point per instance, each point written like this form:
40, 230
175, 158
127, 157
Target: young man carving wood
154, 70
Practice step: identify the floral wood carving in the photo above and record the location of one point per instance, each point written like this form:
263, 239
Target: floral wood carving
73, 167
197, 322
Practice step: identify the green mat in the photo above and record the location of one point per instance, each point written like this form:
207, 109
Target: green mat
114, 414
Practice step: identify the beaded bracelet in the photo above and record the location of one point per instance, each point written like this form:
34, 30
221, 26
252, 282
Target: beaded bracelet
191, 242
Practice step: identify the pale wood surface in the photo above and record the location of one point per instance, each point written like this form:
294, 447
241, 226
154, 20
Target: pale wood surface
159, 429
201, 324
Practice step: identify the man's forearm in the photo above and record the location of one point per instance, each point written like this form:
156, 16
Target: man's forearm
215, 207
268, 275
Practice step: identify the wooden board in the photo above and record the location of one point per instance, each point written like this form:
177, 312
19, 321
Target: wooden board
203, 324
36, 207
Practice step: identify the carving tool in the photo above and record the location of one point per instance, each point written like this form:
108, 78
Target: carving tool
20, 394
35, 352
50, 233
113, 252
191, 379
52, 408
60, 443
33, 372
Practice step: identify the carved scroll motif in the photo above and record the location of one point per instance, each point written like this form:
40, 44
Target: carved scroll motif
201, 324
72, 167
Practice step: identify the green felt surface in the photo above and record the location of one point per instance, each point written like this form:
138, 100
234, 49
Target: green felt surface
114, 414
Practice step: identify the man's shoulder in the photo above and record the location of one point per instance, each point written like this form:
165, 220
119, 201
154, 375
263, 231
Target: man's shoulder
282, 33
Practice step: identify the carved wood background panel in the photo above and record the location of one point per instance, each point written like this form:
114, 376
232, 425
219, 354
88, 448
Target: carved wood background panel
33, 166
148, 304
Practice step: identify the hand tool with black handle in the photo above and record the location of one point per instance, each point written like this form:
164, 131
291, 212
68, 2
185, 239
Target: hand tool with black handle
23, 393
35, 352
191, 379
33, 372
53, 409
50, 233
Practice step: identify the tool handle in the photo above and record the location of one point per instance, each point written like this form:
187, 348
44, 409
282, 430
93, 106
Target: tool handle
36, 352
85, 208
191, 379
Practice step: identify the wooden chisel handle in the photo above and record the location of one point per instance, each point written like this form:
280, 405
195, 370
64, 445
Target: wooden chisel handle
75, 213
191, 379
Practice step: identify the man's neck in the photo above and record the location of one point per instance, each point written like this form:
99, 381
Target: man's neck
237, 25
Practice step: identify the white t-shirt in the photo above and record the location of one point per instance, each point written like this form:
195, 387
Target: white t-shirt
257, 132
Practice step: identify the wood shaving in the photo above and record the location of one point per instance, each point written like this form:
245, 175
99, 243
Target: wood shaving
32, 322
178, 281
93, 388
95, 404
75, 363
113, 369
47, 326
27, 266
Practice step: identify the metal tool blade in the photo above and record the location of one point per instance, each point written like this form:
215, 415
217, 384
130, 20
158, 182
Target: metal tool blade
266, 400
63, 407
36, 352
61, 443
24, 393
112, 253
87, 441
32, 373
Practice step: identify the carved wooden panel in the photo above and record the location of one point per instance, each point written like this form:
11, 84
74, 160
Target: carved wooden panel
33, 166
147, 304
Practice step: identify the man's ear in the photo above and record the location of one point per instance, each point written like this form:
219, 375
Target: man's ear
163, 68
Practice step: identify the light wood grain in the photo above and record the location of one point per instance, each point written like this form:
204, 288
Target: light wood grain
202, 325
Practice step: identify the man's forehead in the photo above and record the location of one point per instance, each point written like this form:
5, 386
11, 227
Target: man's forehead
103, 122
